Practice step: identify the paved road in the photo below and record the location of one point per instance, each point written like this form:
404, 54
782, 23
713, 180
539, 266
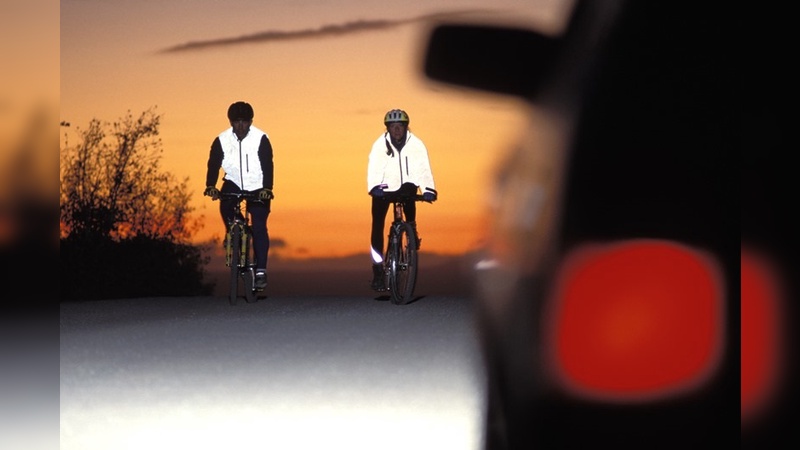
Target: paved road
283, 373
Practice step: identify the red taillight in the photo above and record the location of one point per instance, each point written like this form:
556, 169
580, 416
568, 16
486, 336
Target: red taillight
760, 338
636, 319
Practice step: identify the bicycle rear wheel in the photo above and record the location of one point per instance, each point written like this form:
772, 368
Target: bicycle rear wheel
236, 249
403, 275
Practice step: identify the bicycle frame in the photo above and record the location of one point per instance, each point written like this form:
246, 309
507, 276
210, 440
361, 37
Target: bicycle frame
241, 221
239, 251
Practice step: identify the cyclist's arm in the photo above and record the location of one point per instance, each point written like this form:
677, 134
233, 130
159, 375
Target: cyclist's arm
214, 163
423, 166
376, 165
265, 158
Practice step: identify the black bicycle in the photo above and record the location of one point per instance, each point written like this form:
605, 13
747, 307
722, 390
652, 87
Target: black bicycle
239, 250
400, 263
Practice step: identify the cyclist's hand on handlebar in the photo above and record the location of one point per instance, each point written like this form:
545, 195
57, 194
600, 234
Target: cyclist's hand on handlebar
265, 194
212, 192
429, 197
376, 192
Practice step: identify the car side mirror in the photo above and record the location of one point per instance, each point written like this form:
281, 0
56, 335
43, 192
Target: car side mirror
491, 58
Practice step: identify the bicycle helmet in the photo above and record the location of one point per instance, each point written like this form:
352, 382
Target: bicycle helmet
395, 115
240, 110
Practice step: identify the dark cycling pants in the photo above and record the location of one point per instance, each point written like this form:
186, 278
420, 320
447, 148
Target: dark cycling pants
259, 213
380, 207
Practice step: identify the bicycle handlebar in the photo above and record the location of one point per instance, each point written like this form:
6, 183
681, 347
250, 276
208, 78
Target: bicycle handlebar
239, 195
392, 197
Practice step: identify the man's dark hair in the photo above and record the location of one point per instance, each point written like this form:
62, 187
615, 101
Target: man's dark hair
240, 110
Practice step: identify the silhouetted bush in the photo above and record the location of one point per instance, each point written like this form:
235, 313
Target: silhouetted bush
141, 266
125, 224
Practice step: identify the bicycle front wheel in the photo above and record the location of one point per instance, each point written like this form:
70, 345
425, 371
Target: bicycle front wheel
236, 253
404, 269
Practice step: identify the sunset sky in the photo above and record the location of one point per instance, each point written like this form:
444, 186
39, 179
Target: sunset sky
320, 76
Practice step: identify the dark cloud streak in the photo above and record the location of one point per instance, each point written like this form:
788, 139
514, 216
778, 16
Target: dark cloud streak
334, 30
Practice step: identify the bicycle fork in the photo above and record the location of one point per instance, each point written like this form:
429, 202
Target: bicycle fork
243, 243
394, 245
389, 261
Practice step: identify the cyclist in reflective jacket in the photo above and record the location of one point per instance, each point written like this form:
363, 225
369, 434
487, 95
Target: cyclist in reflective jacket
398, 160
244, 153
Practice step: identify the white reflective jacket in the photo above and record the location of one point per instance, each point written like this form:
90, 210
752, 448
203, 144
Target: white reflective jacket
240, 158
390, 171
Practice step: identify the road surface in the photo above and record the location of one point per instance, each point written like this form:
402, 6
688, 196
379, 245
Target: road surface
282, 373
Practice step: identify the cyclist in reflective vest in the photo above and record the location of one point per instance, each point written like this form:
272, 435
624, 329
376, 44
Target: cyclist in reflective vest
398, 159
244, 153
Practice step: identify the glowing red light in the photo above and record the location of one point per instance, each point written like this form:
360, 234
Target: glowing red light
635, 319
760, 332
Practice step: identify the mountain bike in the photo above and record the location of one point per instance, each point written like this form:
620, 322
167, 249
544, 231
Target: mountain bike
239, 250
400, 263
